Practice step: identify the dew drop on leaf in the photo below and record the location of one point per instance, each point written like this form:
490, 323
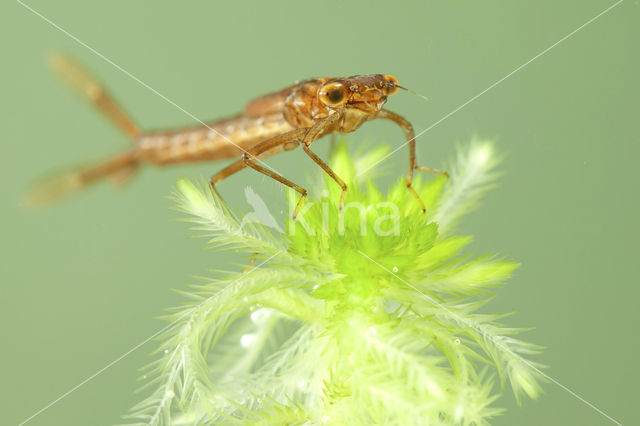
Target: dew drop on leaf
247, 339
255, 316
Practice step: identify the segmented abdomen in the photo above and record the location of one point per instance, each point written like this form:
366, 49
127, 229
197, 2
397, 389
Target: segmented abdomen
218, 140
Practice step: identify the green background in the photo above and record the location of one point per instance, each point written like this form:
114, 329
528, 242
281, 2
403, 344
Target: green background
82, 281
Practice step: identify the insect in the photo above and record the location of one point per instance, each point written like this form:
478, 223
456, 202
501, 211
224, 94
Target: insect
281, 121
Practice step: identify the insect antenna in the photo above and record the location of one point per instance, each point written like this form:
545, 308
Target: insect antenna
411, 91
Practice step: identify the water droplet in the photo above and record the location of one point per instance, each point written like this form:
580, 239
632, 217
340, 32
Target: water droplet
255, 316
166, 351
372, 330
395, 269
252, 308
459, 412
374, 308
457, 341
246, 299
315, 287
247, 339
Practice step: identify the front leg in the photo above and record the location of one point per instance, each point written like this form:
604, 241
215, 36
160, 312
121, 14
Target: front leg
411, 140
330, 172
317, 129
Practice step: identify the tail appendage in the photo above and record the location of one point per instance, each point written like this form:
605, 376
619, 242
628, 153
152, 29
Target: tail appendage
82, 82
119, 168
57, 187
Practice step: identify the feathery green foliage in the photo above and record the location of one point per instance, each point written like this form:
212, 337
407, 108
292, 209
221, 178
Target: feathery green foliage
365, 316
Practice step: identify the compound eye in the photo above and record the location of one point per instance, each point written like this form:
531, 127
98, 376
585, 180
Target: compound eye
333, 94
390, 85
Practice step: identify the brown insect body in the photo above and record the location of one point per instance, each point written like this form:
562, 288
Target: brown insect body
295, 116
263, 118
211, 142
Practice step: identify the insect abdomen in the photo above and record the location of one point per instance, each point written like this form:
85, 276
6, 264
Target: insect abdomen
222, 139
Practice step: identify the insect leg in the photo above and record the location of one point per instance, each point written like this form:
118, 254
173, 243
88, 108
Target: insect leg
269, 147
410, 135
330, 172
251, 162
251, 263
311, 136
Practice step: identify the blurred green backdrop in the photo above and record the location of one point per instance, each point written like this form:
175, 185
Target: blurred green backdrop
83, 280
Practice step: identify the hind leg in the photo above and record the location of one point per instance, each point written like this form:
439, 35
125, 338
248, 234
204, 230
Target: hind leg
270, 147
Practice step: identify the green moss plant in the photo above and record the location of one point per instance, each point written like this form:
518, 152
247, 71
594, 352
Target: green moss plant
365, 316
